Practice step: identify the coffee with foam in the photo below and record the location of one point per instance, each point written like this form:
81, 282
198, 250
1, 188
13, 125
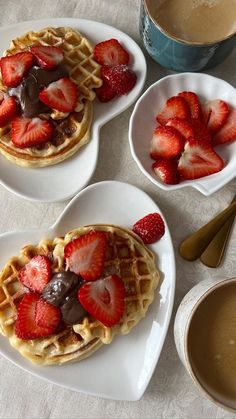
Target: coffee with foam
200, 21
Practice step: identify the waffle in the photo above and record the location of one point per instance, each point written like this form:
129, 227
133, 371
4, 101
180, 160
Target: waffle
126, 256
72, 131
70, 134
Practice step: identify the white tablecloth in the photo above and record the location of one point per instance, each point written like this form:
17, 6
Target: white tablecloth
171, 393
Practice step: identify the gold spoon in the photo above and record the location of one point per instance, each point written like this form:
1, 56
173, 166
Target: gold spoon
192, 247
214, 252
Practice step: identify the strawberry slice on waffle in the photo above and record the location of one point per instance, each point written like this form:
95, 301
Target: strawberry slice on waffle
28, 132
26, 326
85, 255
61, 95
36, 273
9, 109
15, 67
104, 299
48, 57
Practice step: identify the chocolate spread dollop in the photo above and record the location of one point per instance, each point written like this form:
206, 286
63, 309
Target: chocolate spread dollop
62, 291
27, 93
72, 311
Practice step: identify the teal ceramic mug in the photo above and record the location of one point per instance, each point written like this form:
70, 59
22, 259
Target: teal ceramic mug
179, 54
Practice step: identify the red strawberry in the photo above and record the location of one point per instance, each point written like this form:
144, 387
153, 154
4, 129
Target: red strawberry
104, 299
199, 159
47, 315
193, 103
28, 132
61, 95
120, 78
15, 67
26, 326
36, 273
86, 255
215, 114
166, 142
166, 170
184, 127
110, 53
175, 107
47, 56
150, 228
105, 93
228, 131
2, 97
201, 132
8, 110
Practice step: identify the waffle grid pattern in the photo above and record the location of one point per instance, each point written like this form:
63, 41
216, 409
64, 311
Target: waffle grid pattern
126, 256
71, 131
78, 55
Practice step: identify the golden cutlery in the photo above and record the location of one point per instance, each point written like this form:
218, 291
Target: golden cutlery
214, 252
192, 247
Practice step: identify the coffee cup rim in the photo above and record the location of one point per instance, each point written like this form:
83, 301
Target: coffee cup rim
219, 284
180, 40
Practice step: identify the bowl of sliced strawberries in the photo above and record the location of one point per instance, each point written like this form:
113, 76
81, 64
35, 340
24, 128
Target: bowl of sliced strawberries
182, 132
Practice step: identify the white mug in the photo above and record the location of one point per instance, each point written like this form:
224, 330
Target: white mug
183, 318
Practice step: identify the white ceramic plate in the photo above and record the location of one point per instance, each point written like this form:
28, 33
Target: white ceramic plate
64, 180
129, 360
142, 124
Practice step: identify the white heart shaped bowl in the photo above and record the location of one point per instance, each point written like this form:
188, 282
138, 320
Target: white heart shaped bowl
143, 122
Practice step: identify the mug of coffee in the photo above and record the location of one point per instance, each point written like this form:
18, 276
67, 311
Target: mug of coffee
188, 35
205, 338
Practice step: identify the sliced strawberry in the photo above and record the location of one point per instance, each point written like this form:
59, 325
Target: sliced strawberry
201, 132
228, 131
120, 78
36, 273
199, 159
86, 255
28, 132
166, 143
8, 110
15, 67
104, 299
47, 56
47, 315
61, 95
2, 97
175, 107
26, 326
193, 103
105, 93
184, 127
110, 53
215, 114
166, 170
150, 228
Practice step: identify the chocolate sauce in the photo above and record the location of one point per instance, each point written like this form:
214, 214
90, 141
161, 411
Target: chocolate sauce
62, 291
27, 93
72, 311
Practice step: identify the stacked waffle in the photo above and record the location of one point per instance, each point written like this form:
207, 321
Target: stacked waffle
71, 129
125, 257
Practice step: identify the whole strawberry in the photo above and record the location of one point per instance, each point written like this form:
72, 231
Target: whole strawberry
150, 228
120, 78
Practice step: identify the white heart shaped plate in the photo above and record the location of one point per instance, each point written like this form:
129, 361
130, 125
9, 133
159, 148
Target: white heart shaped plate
123, 369
64, 180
